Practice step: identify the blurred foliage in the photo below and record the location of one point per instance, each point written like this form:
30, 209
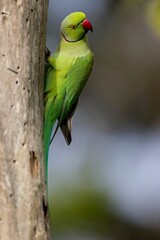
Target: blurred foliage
133, 2
87, 212
125, 86
124, 90
79, 210
153, 11
127, 3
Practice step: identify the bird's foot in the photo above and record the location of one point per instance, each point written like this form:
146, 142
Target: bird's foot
47, 54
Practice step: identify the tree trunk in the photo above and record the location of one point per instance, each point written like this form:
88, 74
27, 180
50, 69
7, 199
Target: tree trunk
23, 202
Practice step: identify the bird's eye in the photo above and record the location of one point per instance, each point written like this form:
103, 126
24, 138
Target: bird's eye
73, 27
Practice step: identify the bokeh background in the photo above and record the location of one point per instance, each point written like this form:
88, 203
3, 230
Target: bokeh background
106, 184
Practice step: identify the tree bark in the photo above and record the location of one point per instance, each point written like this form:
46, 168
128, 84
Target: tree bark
23, 201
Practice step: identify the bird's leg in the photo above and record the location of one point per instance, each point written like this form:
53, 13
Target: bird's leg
47, 54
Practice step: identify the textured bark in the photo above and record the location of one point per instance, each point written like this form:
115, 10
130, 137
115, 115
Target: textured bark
23, 202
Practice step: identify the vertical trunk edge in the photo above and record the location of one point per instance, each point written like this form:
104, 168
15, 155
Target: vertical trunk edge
23, 196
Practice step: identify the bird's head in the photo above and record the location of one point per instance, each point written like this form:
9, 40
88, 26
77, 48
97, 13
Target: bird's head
75, 26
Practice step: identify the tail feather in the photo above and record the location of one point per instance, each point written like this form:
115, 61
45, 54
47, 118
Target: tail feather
48, 126
66, 125
47, 135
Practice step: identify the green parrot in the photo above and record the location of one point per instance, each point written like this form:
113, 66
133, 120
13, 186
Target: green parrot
66, 73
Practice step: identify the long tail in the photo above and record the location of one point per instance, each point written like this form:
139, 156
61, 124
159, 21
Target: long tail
47, 136
48, 126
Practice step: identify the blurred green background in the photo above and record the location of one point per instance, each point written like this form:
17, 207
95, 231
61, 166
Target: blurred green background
106, 185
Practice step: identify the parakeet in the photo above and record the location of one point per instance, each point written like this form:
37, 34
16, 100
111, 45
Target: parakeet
66, 73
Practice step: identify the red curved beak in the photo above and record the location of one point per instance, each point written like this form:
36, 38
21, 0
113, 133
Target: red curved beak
87, 25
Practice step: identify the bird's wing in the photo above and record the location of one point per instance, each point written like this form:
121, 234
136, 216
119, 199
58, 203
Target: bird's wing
66, 125
76, 78
62, 105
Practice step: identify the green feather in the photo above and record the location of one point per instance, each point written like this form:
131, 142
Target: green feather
66, 74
